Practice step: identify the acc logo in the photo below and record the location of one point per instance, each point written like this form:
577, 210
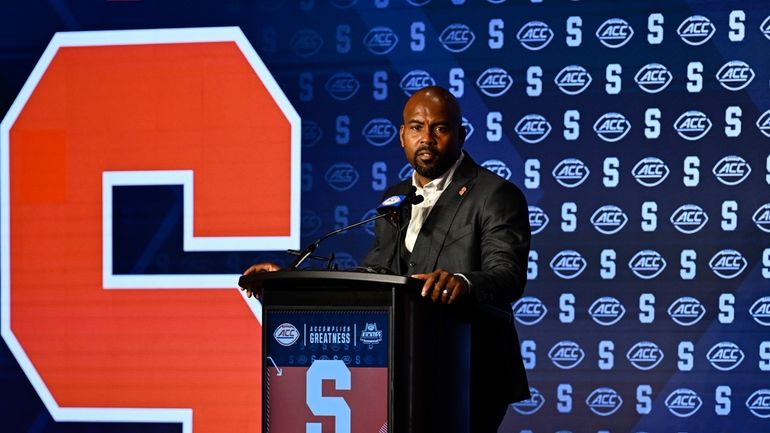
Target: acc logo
537, 219
311, 133
725, 355
497, 167
728, 263
405, 172
735, 75
566, 354
568, 264
528, 407
612, 127
653, 77
692, 125
457, 38
686, 311
765, 27
731, 170
573, 79
650, 171
380, 40
759, 403
604, 401
416, 80
645, 355
762, 217
534, 35
763, 123
310, 222
345, 260
342, 86
286, 334
614, 33
379, 131
529, 310
468, 128
689, 218
683, 402
606, 311
369, 227
532, 128
570, 172
609, 219
306, 42
760, 311
494, 82
341, 176
647, 264
696, 30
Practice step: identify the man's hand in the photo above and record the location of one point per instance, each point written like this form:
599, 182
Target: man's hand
259, 267
442, 286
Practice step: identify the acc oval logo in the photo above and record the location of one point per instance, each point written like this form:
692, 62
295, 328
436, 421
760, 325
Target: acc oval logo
497, 167
528, 407
341, 176
728, 264
614, 33
416, 80
765, 27
380, 40
725, 356
570, 172
735, 75
529, 310
760, 311
692, 125
568, 264
342, 86
405, 172
418, 2
566, 354
468, 128
762, 217
653, 77
573, 79
345, 260
612, 127
758, 403
763, 123
457, 37
532, 128
609, 219
379, 131
647, 264
534, 35
689, 218
686, 311
311, 133
286, 334
494, 82
369, 227
683, 402
310, 222
650, 171
606, 311
731, 170
306, 42
537, 219
645, 355
696, 30
604, 401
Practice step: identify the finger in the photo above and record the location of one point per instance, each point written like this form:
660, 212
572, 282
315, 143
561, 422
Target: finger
459, 289
439, 285
444, 287
429, 281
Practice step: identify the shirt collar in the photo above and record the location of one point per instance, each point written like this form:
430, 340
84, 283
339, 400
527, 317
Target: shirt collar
442, 181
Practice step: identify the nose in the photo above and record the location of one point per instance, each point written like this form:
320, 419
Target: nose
427, 136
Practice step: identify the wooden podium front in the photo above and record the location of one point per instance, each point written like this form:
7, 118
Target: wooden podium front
358, 352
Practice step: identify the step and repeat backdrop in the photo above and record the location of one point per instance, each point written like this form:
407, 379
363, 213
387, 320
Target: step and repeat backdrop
639, 132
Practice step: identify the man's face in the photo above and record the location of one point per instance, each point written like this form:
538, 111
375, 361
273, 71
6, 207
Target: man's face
431, 136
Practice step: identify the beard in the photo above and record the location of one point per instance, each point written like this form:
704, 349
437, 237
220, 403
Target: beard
435, 168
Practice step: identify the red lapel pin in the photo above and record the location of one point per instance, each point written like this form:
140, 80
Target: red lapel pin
462, 191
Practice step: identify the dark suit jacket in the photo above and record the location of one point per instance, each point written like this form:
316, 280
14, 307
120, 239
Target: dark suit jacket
479, 227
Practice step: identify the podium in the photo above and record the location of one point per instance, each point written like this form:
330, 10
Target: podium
359, 352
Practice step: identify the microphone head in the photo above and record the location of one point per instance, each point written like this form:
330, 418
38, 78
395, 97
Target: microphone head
391, 203
417, 199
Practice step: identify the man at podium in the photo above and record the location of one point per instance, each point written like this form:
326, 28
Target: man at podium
467, 239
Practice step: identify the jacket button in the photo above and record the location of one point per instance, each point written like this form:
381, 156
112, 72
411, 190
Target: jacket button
411, 264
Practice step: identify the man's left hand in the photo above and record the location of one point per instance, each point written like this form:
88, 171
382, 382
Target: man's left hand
442, 286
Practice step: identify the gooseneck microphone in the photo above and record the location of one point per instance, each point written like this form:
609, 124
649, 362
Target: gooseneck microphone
392, 208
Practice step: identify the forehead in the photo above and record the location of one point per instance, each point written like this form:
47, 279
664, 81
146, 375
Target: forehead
423, 105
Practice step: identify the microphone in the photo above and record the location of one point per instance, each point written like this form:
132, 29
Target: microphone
390, 207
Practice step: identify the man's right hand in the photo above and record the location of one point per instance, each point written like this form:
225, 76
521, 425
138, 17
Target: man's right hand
259, 267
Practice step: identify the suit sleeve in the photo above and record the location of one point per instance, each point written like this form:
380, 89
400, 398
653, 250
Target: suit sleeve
503, 221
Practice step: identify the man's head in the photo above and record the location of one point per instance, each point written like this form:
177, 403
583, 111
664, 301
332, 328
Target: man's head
432, 134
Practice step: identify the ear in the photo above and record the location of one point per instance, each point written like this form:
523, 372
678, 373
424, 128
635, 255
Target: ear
461, 133
401, 135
